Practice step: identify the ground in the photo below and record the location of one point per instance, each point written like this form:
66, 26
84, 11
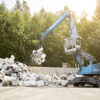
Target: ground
49, 93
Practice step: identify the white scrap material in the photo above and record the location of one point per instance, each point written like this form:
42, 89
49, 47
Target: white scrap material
48, 78
40, 83
38, 56
14, 81
30, 83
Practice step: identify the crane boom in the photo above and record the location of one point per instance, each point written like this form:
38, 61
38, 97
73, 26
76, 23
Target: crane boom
53, 26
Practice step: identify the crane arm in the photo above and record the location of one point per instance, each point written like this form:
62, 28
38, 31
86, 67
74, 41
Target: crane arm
66, 14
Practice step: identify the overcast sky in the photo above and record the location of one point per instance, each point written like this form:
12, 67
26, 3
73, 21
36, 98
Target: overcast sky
56, 5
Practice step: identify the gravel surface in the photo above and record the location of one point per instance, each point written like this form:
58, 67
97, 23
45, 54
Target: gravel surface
49, 93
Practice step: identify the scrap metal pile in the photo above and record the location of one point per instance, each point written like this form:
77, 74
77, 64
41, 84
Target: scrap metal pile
17, 74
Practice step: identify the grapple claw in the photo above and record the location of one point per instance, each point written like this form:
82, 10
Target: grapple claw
38, 56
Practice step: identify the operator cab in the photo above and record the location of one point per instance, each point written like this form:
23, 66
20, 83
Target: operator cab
72, 45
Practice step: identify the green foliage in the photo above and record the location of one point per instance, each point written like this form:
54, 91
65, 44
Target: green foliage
18, 5
97, 11
20, 33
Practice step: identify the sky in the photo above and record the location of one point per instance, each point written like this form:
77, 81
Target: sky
78, 6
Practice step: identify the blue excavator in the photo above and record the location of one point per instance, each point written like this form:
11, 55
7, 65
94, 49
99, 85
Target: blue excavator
88, 75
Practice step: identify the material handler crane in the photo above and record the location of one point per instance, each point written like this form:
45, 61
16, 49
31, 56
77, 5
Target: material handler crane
72, 46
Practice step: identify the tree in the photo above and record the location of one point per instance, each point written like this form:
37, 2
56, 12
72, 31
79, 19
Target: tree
2, 7
96, 35
18, 5
25, 7
97, 11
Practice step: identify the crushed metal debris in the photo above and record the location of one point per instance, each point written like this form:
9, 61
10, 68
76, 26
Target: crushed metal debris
38, 56
17, 74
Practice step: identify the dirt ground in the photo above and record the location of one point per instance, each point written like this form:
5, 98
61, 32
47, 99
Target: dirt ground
49, 93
